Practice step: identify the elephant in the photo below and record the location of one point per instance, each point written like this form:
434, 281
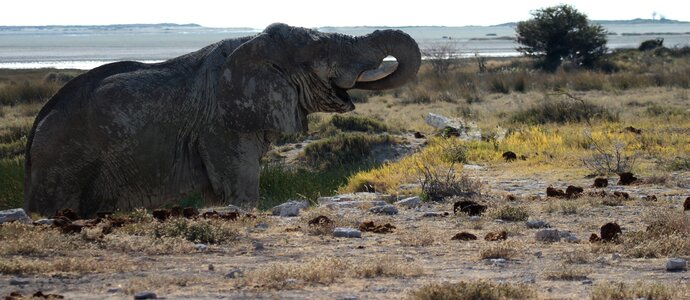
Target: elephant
128, 134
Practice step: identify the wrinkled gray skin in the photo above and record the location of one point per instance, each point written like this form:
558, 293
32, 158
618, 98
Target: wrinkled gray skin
129, 134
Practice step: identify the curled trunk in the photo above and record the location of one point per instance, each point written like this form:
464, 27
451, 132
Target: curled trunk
399, 45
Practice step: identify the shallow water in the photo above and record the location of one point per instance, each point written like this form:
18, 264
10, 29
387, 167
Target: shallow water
86, 47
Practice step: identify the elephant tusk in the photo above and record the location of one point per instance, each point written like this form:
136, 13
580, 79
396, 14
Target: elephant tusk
386, 68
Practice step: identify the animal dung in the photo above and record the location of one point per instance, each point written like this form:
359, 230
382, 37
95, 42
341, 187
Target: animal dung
496, 236
464, 236
626, 178
610, 232
320, 221
509, 156
554, 192
686, 205
369, 226
601, 182
573, 191
469, 207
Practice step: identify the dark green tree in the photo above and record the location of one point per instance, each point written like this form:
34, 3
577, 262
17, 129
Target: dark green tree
561, 33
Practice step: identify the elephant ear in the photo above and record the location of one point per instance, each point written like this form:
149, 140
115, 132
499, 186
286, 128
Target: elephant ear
255, 91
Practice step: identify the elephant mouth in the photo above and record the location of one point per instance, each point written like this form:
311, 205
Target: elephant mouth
343, 97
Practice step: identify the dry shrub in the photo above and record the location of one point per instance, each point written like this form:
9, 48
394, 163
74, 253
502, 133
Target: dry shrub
20, 239
568, 272
576, 257
419, 238
509, 213
148, 245
208, 231
326, 270
639, 290
78, 265
504, 249
474, 290
165, 283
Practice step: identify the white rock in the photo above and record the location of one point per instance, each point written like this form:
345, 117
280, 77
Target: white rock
289, 209
468, 131
234, 273
547, 235
384, 210
676, 265
354, 204
347, 232
616, 257
410, 202
537, 224
16, 214
200, 247
44, 222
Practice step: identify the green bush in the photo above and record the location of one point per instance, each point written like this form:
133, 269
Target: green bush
358, 123
11, 183
344, 149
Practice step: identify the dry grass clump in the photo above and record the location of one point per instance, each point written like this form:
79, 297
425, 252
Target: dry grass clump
207, 231
568, 272
504, 249
166, 284
148, 245
639, 290
474, 290
667, 234
78, 265
509, 213
423, 237
576, 257
30, 240
326, 270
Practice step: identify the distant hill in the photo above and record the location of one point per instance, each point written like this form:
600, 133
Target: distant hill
102, 27
621, 22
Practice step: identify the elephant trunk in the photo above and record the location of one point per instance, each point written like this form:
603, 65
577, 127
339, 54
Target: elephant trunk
390, 43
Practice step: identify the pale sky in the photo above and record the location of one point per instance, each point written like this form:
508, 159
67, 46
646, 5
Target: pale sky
259, 13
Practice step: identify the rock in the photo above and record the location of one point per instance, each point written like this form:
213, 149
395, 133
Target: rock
16, 214
547, 235
262, 226
573, 191
616, 257
499, 221
113, 290
600, 183
496, 236
19, 281
234, 273
587, 281
384, 210
509, 156
536, 224
371, 227
289, 209
347, 232
610, 232
686, 204
233, 208
211, 267
355, 204
471, 208
457, 127
464, 236
410, 202
44, 222
200, 247
258, 246
571, 238
498, 262
554, 192
145, 295
348, 297
676, 265
538, 254
626, 178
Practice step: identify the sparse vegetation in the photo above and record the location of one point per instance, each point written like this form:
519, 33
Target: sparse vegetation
473, 290
638, 290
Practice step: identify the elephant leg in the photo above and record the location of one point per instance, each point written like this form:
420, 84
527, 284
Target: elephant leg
232, 165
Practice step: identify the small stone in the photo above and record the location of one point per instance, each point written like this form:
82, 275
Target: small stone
498, 262
676, 265
434, 214
234, 273
547, 235
380, 289
145, 295
289, 209
211, 267
347, 232
47, 222
499, 221
258, 246
384, 210
410, 202
587, 281
19, 281
261, 226
538, 254
570, 238
535, 224
233, 208
113, 290
200, 247
16, 214
616, 257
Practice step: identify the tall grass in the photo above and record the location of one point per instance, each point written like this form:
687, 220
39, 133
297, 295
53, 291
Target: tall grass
11, 183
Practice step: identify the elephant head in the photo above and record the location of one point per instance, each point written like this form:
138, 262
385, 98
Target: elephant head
275, 79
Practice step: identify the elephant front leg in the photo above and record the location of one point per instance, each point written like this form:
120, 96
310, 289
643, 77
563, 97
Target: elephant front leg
232, 166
